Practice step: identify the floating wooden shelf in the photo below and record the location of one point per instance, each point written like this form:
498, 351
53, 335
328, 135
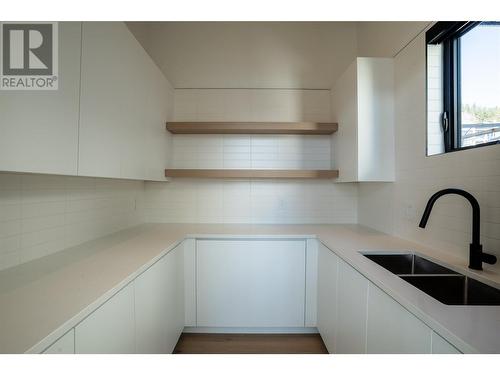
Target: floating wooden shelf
252, 173
304, 128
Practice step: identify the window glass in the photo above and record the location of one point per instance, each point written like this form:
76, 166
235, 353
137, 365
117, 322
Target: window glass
479, 85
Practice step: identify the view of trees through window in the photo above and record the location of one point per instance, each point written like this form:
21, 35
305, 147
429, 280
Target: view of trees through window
480, 84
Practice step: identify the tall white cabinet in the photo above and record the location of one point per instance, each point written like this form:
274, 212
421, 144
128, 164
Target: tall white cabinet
39, 129
107, 119
363, 106
123, 106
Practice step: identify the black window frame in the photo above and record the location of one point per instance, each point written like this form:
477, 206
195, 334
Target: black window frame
448, 35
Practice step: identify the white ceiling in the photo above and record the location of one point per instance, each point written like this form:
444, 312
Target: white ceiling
265, 54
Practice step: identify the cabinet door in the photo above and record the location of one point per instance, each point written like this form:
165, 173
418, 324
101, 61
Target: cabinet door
392, 329
39, 129
159, 305
351, 310
250, 283
109, 329
65, 344
189, 250
327, 296
441, 346
123, 106
311, 309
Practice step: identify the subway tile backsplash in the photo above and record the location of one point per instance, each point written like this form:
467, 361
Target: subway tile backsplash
396, 208
251, 201
43, 214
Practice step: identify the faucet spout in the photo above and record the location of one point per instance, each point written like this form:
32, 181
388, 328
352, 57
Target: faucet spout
477, 257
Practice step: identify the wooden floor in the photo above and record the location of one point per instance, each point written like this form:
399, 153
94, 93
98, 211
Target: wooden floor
210, 343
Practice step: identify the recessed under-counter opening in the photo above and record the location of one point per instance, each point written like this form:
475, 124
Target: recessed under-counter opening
250, 343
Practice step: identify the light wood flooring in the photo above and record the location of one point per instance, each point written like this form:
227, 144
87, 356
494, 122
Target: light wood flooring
209, 343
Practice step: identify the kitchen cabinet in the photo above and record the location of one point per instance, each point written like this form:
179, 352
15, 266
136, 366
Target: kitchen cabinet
327, 296
355, 316
65, 344
252, 283
159, 304
311, 308
189, 250
441, 346
111, 328
351, 310
392, 329
363, 106
123, 106
39, 129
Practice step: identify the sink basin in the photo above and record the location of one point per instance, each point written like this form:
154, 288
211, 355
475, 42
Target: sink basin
456, 289
408, 264
447, 286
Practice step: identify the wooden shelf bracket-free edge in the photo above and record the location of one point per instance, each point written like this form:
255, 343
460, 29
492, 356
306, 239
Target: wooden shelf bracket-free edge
302, 128
252, 173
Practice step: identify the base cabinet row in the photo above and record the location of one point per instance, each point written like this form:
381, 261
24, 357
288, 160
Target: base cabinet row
355, 316
146, 316
252, 284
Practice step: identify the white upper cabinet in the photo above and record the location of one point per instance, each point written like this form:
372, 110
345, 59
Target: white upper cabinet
39, 129
363, 106
123, 107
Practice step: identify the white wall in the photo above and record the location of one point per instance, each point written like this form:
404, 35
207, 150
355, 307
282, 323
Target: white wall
249, 54
43, 214
385, 39
251, 201
396, 207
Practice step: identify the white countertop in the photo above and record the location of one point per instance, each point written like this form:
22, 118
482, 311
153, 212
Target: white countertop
42, 299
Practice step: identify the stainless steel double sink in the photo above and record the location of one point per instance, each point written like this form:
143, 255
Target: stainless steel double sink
447, 286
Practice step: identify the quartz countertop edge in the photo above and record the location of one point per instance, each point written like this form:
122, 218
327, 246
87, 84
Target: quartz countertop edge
69, 285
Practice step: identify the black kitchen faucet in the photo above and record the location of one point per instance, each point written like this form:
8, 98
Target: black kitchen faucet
476, 255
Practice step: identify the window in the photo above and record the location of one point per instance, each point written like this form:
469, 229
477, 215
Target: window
463, 85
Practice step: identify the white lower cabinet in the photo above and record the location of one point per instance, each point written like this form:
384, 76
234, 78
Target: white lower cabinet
65, 344
441, 346
159, 305
392, 329
355, 316
327, 296
351, 310
111, 328
252, 283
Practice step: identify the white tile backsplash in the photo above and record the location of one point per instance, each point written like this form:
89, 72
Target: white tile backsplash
43, 214
396, 208
251, 201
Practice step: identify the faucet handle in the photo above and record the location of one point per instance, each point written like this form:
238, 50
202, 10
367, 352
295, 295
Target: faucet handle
488, 258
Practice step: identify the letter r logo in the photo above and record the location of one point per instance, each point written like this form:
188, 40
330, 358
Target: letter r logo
27, 49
